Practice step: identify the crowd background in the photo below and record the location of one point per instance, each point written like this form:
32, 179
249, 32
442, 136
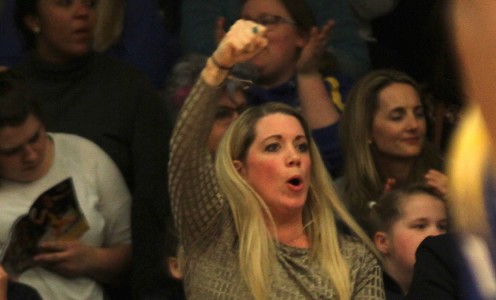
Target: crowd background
150, 53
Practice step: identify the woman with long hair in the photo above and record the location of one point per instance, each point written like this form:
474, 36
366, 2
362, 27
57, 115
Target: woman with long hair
383, 135
261, 223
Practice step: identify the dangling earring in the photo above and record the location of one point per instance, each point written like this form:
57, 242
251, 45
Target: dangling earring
36, 30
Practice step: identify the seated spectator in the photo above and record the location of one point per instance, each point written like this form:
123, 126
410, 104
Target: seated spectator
31, 162
94, 96
244, 233
132, 31
200, 18
399, 222
383, 135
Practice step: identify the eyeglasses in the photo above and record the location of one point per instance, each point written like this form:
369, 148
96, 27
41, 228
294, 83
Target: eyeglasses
270, 21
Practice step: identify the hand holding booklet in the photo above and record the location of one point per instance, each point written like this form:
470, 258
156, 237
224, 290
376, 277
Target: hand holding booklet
54, 216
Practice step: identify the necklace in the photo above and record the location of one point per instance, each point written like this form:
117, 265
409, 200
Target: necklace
299, 236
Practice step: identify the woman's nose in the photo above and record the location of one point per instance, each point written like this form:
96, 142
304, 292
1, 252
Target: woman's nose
294, 159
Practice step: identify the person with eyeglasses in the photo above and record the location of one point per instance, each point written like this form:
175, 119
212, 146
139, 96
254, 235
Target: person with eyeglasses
295, 69
199, 18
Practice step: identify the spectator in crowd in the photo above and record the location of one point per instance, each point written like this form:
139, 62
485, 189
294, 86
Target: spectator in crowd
200, 18
383, 134
255, 226
86, 93
399, 221
31, 162
132, 31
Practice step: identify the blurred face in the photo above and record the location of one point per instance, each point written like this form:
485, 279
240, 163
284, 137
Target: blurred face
65, 28
25, 151
398, 126
228, 111
276, 63
278, 164
421, 215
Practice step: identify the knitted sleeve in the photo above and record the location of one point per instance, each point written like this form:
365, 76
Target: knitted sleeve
197, 204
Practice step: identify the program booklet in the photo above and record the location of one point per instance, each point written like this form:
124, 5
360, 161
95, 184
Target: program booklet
54, 216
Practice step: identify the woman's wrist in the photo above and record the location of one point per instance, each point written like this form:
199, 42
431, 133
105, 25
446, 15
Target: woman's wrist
212, 74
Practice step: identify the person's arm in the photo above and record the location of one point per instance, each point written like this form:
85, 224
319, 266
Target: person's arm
316, 104
75, 259
192, 180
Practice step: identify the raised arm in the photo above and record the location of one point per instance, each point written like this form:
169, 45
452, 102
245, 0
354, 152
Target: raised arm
316, 103
196, 199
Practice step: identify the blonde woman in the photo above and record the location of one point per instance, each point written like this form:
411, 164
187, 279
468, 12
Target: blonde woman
262, 224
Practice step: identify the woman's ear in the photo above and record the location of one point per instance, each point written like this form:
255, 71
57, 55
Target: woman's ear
32, 23
381, 241
239, 167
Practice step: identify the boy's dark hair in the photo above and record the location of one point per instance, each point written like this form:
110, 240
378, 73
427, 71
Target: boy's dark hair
16, 102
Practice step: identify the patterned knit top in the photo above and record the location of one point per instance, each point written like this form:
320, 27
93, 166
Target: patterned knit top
207, 231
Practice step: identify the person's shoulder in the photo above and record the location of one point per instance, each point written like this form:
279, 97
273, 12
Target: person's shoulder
73, 144
352, 246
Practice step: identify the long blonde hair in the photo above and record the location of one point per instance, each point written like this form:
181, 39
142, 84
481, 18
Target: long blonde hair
257, 252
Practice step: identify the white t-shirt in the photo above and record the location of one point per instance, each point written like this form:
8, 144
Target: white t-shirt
103, 197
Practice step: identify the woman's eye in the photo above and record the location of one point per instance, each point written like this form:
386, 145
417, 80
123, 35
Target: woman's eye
420, 114
303, 147
272, 147
396, 117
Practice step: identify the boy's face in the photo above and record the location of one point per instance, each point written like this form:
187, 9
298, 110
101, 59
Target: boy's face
24, 155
